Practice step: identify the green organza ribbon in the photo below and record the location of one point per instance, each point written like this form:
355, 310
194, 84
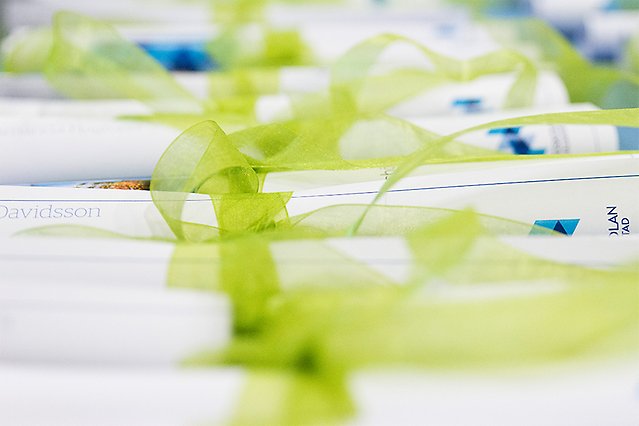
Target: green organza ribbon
604, 86
233, 50
308, 326
242, 83
621, 117
352, 74
29, 52
206, 160
88, 59
231, 12
356, 89
317, 328
303, 329
236, 12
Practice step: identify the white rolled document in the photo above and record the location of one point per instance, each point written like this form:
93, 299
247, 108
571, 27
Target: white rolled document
22, 107
109, 302
61, 148
24, 86
586, 196
40, 12
540, 139
583, 394
484, 94
88, 323
330, 38
140, 266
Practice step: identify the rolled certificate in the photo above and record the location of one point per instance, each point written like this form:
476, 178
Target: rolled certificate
537, 140
99, 302
575, 196
116, 264
328, 41
283, 80
23, 86
35, 395
32, 94
137, 266
101, 108
52, 321
584, 394
40, 12
484, 94
60, 149
165, 14
325, 39
126, 212
578, 196
318, 42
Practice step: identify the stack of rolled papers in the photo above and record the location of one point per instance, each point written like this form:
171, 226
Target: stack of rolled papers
316, 213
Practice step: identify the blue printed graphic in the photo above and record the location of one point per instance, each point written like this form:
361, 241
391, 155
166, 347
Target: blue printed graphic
563, 226
513, 141
468, 105
182, 56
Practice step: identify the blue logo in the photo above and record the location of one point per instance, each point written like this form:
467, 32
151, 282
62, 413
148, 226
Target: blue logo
563, 226
468, 105
180, 56
513, 141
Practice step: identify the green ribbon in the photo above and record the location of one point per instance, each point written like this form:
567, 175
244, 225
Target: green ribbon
204, 161
315, 331
233, 50
621, 118
309, 330
230, 12
352, 71
605, 86
28, 53
244, 82
88, 59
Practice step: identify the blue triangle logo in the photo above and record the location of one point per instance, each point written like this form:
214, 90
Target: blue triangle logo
569, 225
563, 226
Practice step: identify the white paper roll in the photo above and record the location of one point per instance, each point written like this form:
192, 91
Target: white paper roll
484, 94
590, 394
96, 324
61, 149
593, 194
